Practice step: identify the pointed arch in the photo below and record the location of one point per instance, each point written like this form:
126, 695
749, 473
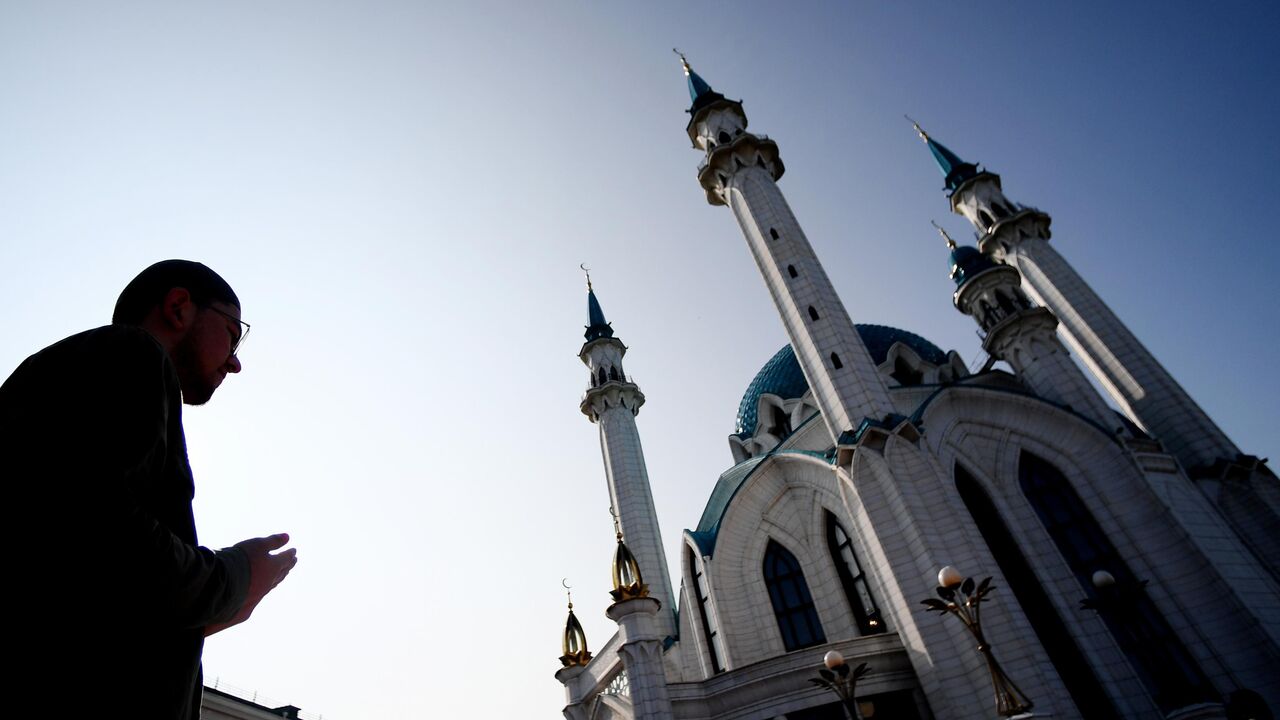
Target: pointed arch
792, 603
1081, 682
852, 577
1161, 661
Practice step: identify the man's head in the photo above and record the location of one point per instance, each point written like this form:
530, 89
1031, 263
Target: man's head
194, 314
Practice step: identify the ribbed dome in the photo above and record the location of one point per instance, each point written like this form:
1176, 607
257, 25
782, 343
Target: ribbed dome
782, 376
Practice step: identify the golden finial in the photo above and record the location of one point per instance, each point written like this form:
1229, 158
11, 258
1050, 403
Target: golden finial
617, 528
950, 243
586, 270
568, 591
683, 61
919, 131
573, 645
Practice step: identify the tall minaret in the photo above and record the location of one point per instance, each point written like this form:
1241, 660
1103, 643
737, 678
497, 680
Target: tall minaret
612, 401
740, 171
1021, 334
1019, 236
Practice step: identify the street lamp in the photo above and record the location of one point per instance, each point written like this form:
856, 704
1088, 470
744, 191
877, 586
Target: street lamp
842, 680
960, 597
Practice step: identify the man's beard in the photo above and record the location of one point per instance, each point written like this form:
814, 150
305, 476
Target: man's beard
196, 387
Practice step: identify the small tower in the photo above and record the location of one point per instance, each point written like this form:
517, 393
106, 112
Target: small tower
640, 638
612, 401
574, 652
574, 657
1019, 333
740, 170
1139, 385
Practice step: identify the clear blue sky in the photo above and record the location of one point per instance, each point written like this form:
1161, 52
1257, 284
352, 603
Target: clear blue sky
401, 192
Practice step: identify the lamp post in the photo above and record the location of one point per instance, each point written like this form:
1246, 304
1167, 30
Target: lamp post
960, 597
842, 680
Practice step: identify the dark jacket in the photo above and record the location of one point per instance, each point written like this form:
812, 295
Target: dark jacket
109, 591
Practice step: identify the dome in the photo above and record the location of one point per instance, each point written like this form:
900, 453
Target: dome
967, 261
782, 376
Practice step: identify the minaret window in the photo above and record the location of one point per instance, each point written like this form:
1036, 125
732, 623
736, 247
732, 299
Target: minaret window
852, 578
774, 234
835, 361
792, 603
791, 270
988, 315
723, 137
985, 219
710, 628
813, 314
1006, 305
613, 373
1063, 652
1162, 663
999, 211
600, 375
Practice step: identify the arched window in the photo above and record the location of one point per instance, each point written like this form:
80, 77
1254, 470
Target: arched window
1163, 664
791, 270
906, 375
1006, 305
835, 361
781, 423
852, 578
813, 314
710, 628
792, 603
774, 234
985, 219
613, 373
1063, 652
601, 376
723, 137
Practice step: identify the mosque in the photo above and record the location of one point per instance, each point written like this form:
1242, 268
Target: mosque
1134, 555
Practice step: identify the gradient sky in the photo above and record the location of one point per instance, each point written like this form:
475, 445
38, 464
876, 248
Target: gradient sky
401, 192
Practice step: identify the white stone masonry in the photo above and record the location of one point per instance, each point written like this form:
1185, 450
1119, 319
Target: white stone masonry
846, 385
1136, 380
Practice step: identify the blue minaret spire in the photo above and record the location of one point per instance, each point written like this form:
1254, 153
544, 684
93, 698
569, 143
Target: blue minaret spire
700, 92
597, 326
955, 171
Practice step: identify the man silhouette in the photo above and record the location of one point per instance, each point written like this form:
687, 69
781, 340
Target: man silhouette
111, 595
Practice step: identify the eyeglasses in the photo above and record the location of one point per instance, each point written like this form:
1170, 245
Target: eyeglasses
236, 342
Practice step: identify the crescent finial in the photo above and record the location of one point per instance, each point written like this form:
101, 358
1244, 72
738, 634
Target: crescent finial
950, 243
586, 270
923, 135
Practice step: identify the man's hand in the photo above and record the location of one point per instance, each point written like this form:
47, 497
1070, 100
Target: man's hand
266, 570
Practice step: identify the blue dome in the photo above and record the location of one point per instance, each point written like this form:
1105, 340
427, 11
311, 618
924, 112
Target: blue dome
967, 261
782, 376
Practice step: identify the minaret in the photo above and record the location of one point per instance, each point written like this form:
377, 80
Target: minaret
1021, 334
612, 401
1139, 385
740, 171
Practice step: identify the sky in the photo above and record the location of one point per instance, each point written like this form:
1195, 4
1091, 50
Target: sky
402, 192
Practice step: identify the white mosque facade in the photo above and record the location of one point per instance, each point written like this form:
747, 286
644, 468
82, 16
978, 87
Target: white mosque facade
1134, 555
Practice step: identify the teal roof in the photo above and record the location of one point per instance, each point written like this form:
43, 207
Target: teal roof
955, 171
783, 377
697, 87
967, 261
598, 327
700, 92
726, 488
